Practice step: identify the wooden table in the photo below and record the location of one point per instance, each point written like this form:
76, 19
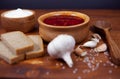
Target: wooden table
49, 68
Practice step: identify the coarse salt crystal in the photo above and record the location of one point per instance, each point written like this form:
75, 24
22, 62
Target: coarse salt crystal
79, 77
77, 59
86, 71
93, 62
47, 73
100, 61
97, 54
18, 13
57, 64
61, 64
86, 59
108, 62
63, 67
97, 66
89, 65
75, 70
111, 64
104, 64
92, 50
115, 66
110, 71
106, 53
109, 57
93, 69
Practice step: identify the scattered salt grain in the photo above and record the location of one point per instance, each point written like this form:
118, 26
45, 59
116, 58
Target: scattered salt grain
111, 64
115, 66
110, 78
92, 50
63, 67
110, 58
85, 71
75, 70
100, 61
97, 66
18, 13
93, 69
79, 77
89, 65
104, 64
108, 62
93, 62
57, 64
110, 71
47, 73
86, 59
106, 53
96, 60
77, 59
61, 64
19, 71
97, 54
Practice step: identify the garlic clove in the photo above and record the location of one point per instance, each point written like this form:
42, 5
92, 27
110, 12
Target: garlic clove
67, 58
97, 36
83, 54
90, 44
95, 39
80, 52
101, 48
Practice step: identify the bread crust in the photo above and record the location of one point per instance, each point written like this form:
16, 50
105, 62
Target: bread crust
36, 52
17, 42
8, 56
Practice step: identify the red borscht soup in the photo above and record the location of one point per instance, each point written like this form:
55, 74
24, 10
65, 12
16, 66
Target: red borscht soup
63, 20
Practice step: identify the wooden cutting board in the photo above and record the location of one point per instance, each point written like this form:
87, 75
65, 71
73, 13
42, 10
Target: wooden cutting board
49, 68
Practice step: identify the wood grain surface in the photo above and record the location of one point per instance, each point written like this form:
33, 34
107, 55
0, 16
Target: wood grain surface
48, 68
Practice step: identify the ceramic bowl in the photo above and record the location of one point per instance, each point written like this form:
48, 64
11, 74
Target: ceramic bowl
24, 24
49, 32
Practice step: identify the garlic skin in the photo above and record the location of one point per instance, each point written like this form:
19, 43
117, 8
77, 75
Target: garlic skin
61, 47
92, 43
101, 48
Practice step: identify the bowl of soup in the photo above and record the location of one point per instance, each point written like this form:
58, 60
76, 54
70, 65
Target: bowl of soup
72, 23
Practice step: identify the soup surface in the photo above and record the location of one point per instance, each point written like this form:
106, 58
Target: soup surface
63, 20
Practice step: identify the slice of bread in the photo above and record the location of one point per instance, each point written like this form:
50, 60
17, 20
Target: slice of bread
8, 56
38, 47
18, 42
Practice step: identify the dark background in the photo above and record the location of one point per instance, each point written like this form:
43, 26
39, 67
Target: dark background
60, 4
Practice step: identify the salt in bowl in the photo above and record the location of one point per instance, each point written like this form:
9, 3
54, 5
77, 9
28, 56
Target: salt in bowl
18, 20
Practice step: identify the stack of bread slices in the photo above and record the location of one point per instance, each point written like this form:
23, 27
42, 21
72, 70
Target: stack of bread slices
16, 46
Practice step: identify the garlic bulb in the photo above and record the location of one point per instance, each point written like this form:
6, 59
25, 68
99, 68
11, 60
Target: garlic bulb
91, 43
62, 47
101, 48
